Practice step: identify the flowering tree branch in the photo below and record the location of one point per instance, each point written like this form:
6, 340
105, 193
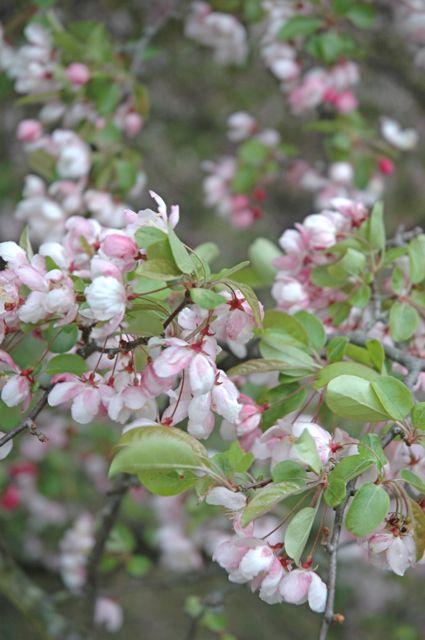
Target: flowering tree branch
107, 517
329, 615
33, 603
28, 423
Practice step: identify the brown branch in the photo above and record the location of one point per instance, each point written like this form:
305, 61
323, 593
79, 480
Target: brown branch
32, 602
108, 517
28, 423
329, 615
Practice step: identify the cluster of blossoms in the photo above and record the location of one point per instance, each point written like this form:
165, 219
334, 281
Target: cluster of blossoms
134, 328
305, 248
64, 141
235, 186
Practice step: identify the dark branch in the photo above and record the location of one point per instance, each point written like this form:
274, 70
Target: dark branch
108, 517
28, 423
329, 615
32, 602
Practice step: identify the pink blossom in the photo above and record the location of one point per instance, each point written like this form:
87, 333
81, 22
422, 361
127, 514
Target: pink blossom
108, 614
390, 551
77, 73
106, 297
88, 396
29, 130
301, 585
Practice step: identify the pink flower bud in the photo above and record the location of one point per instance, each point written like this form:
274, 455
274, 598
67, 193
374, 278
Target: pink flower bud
345, 102
116, 245
29, 130
77, 73
386, 166
132, 124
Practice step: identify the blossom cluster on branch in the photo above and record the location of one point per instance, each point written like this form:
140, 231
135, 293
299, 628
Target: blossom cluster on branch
108, 317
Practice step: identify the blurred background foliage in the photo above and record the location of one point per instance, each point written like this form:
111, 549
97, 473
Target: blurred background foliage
191, 97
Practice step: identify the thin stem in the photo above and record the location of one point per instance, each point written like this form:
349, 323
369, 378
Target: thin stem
28, 423
108, 517
329, 613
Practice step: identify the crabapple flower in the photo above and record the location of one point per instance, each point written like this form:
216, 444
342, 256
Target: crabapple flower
29, 131
389, 549
6, 448
403, 139
241, 126
77, 73
88, 395
106, 297
18, 387
300, 585
224, 497
108, 614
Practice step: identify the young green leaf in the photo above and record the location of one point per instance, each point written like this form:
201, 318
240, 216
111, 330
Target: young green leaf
412, 479
266, 499
418, 517
367, 510
404, 320
416, 250
298, 532
180, 253
314, 329
206, 298
165, 459
305, 448
353, 398
290, 471
66, 363
394, 396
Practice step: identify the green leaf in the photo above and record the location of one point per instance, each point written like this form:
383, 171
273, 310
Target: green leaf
335, 349
149, 235
367, 510
144, 321
104, 93
288, 325
159, 269
25, 243
67, 363
234, 460
252, 300
404, 320
297, 362
418, 517
261, 365
418, 415
126, 172
300, 26
360, 297
261, 255
398, 280
253, 152
362, 16
413, 479
180, 253
206, 298
351, 264
336, 369
353, 398
359, 354
138, 566
314, 329
335, 492
371, 447
306, 450
282, 408
289, 471
266, 499
376, 228
416, 250
376, 353
298, 532
61, 339
207, 251
164, 458
339, 312
394, 396
245, 179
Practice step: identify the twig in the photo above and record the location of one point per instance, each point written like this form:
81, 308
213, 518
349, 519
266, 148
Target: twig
28, 423
144, 41
333, 546
32, 602
108, 516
